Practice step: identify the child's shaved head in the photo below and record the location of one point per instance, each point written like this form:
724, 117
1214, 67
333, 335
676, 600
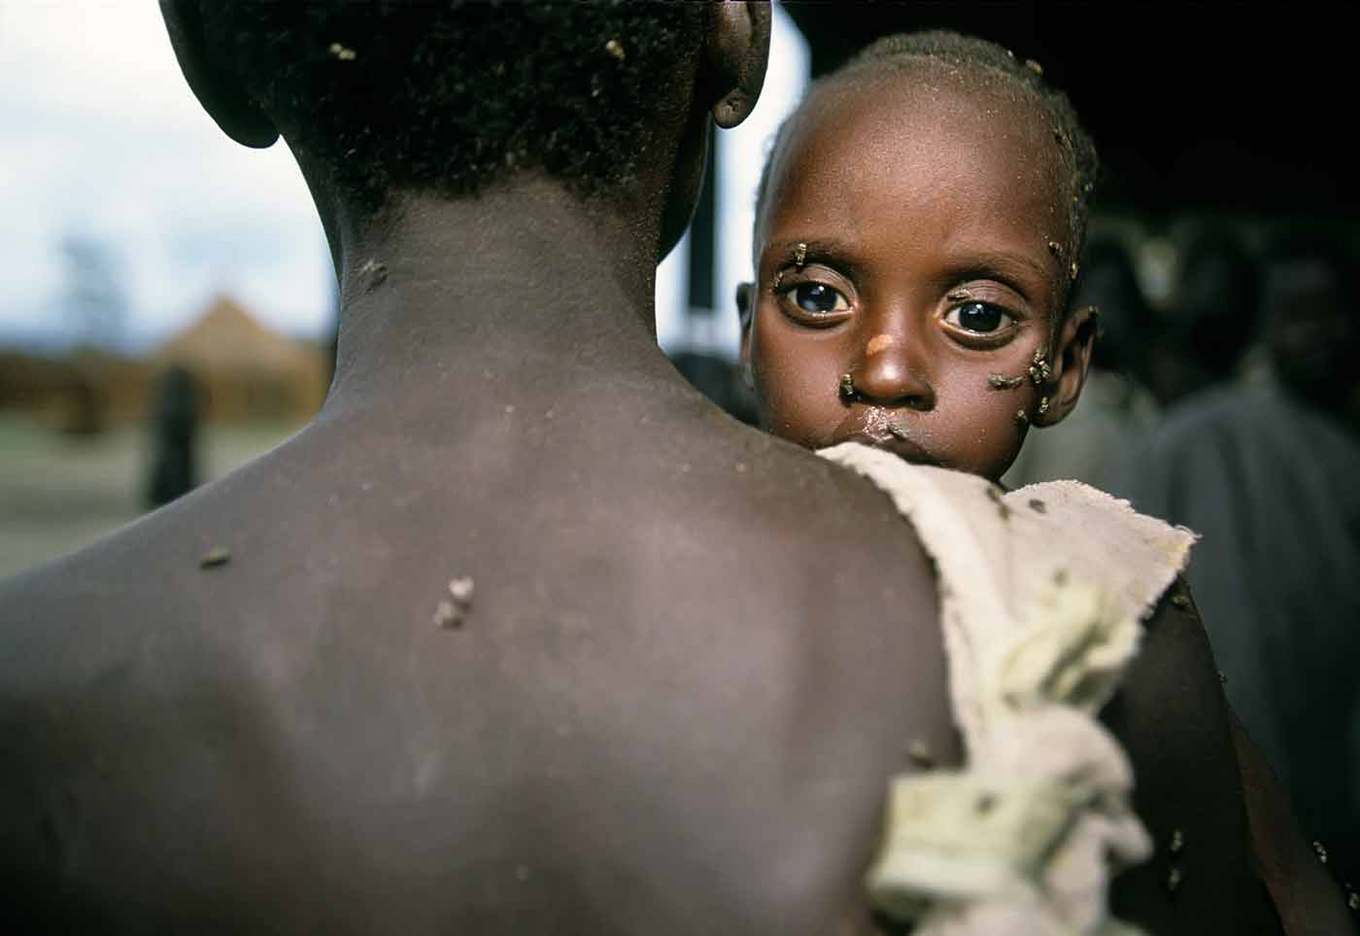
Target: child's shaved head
916, 241
451, 96
975, 65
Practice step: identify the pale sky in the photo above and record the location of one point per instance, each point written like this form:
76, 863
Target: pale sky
100, 137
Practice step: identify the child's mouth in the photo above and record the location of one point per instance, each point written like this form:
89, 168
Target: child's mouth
881, 430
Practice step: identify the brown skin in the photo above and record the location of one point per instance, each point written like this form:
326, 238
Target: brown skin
694, 658
907, 254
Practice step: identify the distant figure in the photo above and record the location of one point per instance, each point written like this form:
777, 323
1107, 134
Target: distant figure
1265, 472
1215, 318
174, 430
1117, 412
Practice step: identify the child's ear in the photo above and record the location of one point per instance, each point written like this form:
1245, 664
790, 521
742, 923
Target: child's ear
739, 50
1072, 360
745, 293
216, 87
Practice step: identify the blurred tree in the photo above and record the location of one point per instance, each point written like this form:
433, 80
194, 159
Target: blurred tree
94, 300
94, 304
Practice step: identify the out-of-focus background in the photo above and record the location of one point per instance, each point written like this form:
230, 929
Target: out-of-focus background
167, 306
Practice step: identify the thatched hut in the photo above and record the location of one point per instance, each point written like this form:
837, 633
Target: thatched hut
245, 370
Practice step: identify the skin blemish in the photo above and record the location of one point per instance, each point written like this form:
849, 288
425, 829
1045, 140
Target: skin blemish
800, 255
1037, 506
1002, 382
461, 589
879, 344
919, 752
453, 614
217, 556
373, 273
445, 615
1055, 248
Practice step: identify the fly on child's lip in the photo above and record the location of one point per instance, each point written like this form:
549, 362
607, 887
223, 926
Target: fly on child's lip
883, 429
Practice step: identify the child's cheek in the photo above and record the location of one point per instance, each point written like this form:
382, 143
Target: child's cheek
796, 375
977, 424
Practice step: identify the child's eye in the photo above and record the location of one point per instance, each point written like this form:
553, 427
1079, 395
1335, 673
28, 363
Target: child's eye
817, 298
980, 318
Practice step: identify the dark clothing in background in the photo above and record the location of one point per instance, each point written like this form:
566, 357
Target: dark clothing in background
1273, 487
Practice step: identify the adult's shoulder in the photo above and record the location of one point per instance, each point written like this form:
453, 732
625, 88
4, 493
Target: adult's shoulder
772, 512
65, 622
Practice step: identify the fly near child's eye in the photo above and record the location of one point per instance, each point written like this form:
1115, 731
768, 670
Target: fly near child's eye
817, 298
981, 318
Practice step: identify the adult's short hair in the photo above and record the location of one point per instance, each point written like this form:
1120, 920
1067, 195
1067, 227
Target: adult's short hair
452, 95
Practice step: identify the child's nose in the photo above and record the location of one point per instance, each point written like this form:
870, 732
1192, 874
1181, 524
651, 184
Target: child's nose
888, 376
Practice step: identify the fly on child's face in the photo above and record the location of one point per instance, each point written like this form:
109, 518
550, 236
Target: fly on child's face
905, 264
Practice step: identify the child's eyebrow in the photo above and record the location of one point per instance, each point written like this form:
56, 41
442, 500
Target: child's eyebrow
816, 250
1012, 269
815, 245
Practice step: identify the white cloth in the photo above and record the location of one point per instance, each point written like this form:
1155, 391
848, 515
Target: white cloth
1041, 594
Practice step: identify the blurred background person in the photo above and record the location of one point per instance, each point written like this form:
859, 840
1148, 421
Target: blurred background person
1213, 321
174, 437
1265, 471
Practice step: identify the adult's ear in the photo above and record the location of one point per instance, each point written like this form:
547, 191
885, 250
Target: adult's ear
217, 88
1072, 361
739, 50
732, 59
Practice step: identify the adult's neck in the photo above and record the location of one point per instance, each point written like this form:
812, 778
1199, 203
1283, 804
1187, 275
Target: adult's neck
526, 286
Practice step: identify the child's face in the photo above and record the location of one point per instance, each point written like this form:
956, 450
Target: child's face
927, 215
